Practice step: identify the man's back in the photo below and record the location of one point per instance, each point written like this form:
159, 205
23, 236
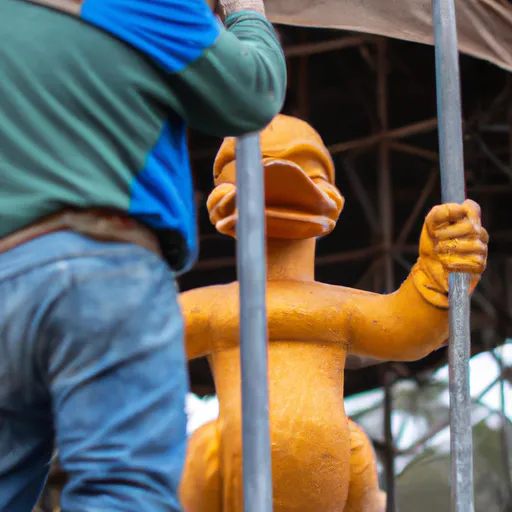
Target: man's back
93, 113
80, 112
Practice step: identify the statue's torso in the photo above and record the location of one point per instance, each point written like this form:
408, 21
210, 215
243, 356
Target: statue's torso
309, 431
297, 311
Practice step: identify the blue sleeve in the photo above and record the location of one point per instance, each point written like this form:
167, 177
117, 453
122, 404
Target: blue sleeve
174, 33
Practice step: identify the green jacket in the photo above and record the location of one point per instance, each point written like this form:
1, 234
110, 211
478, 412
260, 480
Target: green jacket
93, 110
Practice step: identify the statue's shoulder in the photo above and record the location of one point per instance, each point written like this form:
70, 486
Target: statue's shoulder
210, 297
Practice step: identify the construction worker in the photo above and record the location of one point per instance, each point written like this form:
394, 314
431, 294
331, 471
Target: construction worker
97, 218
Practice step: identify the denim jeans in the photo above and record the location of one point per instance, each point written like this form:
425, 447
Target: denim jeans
92, 359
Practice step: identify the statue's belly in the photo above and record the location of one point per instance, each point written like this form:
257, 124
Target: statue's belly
311, 467
309, 431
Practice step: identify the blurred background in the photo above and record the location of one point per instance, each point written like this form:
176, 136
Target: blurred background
373, 101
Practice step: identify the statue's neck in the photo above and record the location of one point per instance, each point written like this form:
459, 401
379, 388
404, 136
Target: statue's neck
292, 260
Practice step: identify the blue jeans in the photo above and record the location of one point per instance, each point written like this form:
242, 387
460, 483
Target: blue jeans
91, 356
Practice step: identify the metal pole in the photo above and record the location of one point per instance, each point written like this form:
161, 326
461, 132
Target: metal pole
251, 266
389, 451
453, 190
386, 215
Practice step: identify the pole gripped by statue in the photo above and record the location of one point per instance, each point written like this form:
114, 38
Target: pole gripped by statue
453, 191
251, 268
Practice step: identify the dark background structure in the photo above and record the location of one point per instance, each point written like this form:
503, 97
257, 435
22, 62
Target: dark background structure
373, 101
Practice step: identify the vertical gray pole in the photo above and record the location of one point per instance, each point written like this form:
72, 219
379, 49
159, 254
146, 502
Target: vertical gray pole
251, 266
453, 191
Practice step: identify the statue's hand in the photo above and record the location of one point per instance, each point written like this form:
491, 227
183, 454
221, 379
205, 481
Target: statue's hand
452, 240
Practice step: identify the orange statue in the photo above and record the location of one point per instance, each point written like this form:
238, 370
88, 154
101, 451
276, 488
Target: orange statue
320, 460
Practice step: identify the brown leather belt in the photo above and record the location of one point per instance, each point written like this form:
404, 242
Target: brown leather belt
72, 7
100, 224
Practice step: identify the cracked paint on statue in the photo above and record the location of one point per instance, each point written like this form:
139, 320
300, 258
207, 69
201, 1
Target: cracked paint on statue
320, 459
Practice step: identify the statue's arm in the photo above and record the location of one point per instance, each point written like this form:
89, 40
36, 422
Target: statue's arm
402, 326
197, 307
413, 321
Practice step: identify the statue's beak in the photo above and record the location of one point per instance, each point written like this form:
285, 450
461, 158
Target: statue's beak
291, 194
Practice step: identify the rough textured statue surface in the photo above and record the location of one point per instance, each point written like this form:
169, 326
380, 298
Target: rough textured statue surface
321, 461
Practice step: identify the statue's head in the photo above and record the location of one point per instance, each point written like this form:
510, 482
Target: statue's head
301, 200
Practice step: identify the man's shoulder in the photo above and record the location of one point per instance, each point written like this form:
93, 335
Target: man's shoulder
173, 33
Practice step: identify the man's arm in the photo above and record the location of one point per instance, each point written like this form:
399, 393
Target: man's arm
238, 84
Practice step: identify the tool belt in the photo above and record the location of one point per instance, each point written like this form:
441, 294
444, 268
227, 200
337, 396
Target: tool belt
100, 224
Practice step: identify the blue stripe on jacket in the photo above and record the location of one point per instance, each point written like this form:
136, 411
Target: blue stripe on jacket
173, 33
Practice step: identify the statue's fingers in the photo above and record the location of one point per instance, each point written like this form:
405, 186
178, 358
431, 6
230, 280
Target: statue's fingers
472, 264
483, 235
446, 214
473, 210
462, 229
462, 247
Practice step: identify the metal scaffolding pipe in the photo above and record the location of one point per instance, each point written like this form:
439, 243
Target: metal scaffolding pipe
251, 267
386, 218
453, 190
